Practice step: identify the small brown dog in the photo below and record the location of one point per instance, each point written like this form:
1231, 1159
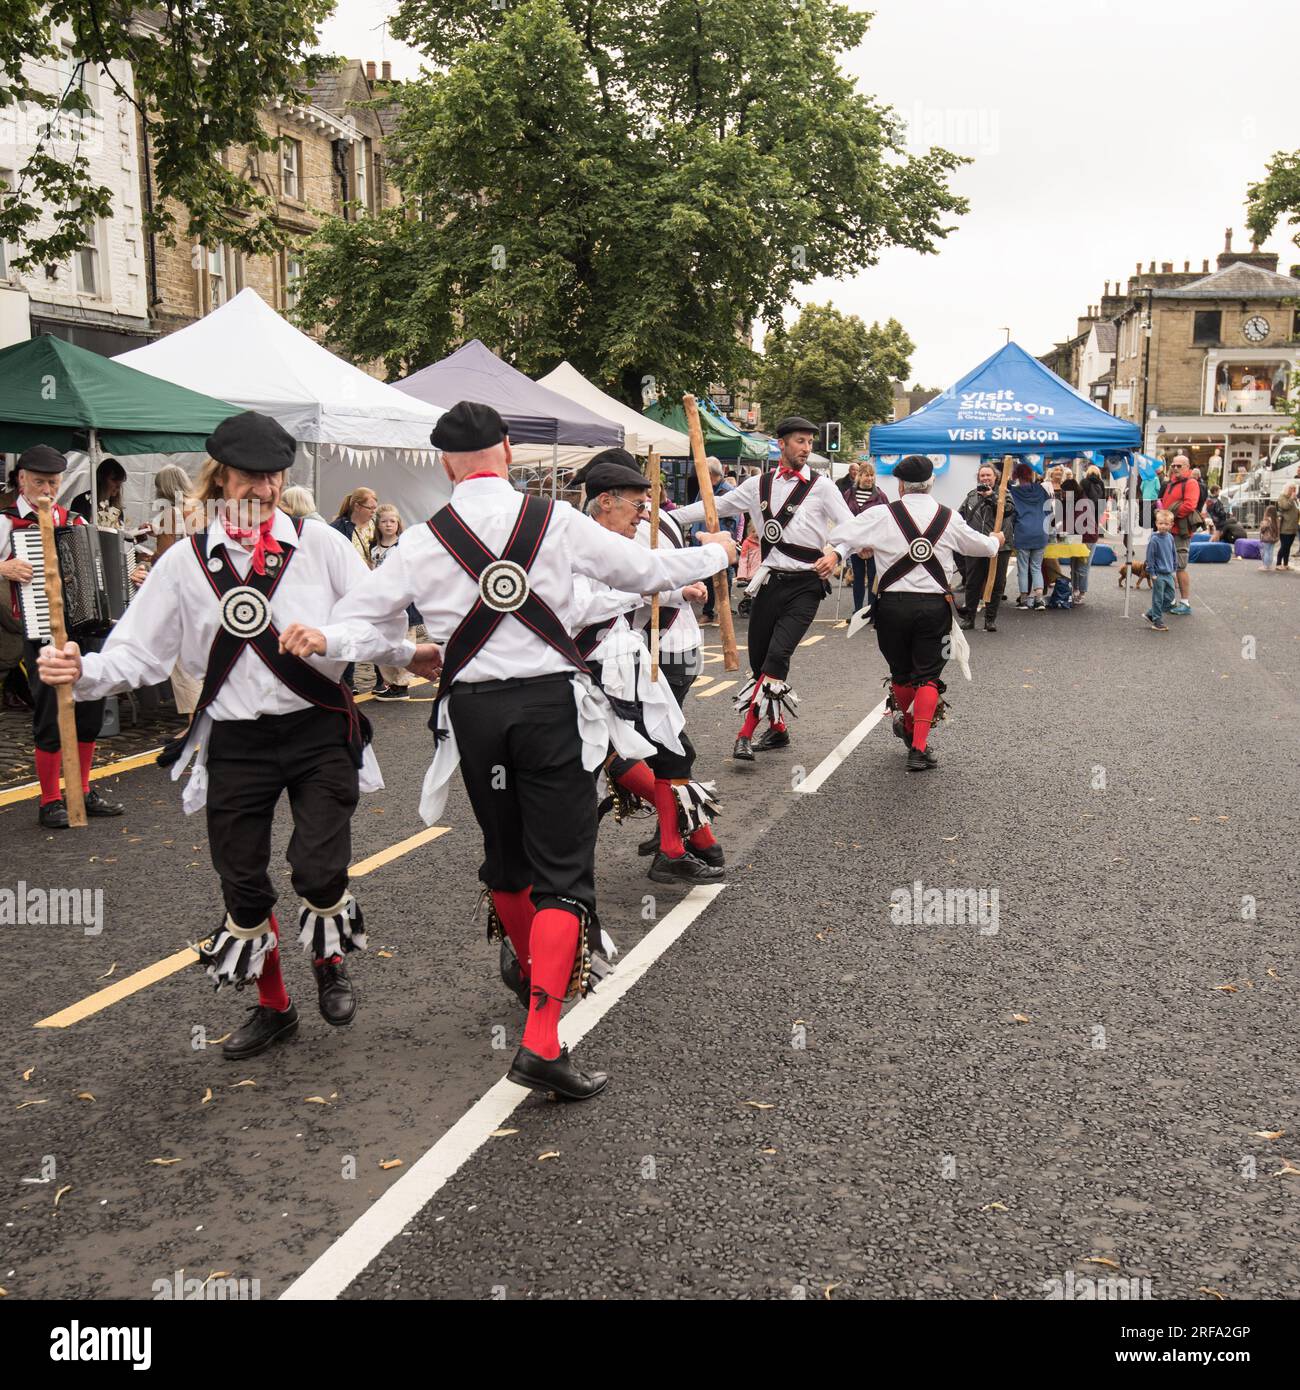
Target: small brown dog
1139, 574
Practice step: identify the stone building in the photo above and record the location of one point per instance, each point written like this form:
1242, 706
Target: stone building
330, 162
96, 299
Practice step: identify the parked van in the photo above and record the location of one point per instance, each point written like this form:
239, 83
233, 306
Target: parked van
1267, 481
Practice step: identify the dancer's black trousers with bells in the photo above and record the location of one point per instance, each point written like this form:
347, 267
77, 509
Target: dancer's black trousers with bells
977, 573
666, 764
45, 703
250, 762
521, 760
783, 612
913, 631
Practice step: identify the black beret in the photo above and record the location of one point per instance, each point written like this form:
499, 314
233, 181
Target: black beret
468, 427
40, 458
794, 424
915, 468
610, 469
253, 443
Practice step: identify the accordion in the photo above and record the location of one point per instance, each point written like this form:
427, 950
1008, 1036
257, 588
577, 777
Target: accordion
95, 565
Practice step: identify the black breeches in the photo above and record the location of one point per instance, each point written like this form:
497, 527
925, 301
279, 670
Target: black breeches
783, 612
913, 633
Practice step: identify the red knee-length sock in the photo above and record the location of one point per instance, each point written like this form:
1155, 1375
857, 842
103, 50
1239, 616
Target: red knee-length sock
270, 983
903, 697
640, 781
516, 912
751, 714
670, 835
47, 771
86, 752
703, 838
923, 708
554, 942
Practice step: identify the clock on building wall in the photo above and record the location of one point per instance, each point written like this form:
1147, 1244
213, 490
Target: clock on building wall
1256, 328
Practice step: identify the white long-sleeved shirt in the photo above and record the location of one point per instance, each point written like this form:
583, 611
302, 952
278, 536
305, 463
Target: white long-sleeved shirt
422, 572
820, 511
876, 530
683, 636
174, 619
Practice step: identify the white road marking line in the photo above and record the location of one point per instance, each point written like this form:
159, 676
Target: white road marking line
716, 690
363, 1241
842, 749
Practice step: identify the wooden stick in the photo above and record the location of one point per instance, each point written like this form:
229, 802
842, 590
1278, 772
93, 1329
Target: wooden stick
722, 597
656, 489
73, 798
997, 524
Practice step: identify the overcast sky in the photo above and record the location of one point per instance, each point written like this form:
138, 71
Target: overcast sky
1103, 132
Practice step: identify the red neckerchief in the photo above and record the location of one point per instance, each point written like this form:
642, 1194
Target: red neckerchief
786, 472
265, 543
485, 473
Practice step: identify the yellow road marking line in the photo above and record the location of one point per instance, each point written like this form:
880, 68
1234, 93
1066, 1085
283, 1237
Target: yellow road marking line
808, 641
703, 680
709, 660
716, 690
33, 789
161, 969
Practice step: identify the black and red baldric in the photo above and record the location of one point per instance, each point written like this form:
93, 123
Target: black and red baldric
772, 535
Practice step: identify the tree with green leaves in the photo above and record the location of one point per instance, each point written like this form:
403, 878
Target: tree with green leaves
633, 186
832, 366
1275, 197
201, 71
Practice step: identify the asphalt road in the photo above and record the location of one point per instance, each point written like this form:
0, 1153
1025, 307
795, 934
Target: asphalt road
808, 1093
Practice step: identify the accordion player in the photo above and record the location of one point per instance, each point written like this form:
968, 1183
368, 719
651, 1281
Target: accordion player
88, 611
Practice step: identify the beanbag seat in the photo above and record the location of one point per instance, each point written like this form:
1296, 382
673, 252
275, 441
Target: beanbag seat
1211, 553
1103, 555
1247, 549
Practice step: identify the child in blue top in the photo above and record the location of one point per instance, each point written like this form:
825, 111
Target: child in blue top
1162, 560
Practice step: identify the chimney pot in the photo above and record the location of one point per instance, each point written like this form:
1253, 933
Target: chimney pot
1139, 268
387, 72
1205, 267
1166, 267
1106, 291
1152, 271
1187, 265
1227, 238
370, 71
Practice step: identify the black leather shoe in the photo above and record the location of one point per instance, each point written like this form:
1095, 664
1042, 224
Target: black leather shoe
900, 727
919, 760
338, 997
97, 806
687, 869
772, 738
964, 622
743, 751
650, 845
512, 974
710, 854
53, 815
990, 625
262, 1028
560, 1075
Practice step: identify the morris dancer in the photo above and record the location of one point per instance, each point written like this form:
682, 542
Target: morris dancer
793, 510
516, 709
40, 470
914, 541
617, 494
266, 723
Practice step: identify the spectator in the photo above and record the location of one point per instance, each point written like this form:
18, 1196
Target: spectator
1032, 501
1288, 523
110, 478
356, 519
979, 511
1150, 491
392, 682
730, 524
1226, 526
1162, 560
1201, 489
298, 501
1087, 522
860, 492
1268, 537
751, 556
1181, 497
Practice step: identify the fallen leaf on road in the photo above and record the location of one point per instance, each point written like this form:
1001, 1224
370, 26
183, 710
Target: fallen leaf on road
221, 1039
248, 1081
107, 972
826, 1292
1021, 1018
1288, 1169
501, 1133
767, 1151
1272, 974
26, 1103
761, 1104
386, 955
550, 1153
84, 1095
27, 1075
217, 1274
1203, 1288
993, 1206
334, 1095
1193, 818
1226, 989
67, 1187
315, 1100
391, 1163
1221, 818
1267, 1133
207, 1096
1100, 1260
950, 838
164, 1162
